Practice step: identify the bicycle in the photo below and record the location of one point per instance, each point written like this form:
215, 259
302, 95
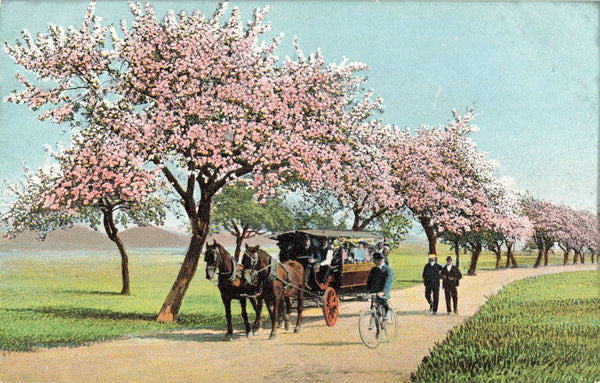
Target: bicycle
375, 326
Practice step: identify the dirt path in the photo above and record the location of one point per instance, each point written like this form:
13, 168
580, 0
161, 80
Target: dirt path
318, 354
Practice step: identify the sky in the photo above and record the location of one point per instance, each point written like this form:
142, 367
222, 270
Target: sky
530, 68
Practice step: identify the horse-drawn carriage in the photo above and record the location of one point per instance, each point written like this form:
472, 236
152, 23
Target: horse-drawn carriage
336, 263
317, 264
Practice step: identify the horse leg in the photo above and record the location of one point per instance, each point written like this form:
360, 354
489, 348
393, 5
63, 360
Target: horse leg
257, 305
286, 313
274, 312
227, 303
300, 303
245, 318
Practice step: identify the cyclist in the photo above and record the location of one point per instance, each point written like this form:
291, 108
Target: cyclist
380, 281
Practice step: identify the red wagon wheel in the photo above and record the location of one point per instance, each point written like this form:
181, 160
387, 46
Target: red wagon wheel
330, 306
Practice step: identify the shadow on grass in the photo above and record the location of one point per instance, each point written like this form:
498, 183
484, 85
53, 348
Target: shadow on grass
93, 292
85, 313
64, 312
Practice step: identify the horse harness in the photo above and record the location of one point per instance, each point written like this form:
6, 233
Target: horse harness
274, 273
234, 273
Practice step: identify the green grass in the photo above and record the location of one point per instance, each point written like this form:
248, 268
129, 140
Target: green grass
50, 299
542, 329
53, 299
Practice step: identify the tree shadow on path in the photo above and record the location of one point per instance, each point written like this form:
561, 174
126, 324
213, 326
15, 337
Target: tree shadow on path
189, 337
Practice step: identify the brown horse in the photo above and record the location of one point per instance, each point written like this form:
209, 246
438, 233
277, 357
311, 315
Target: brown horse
275, 281
231, 286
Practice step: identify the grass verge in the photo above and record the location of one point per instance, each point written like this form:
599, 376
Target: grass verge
542, 329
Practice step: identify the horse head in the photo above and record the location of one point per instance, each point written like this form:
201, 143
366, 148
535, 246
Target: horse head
253, 261
212, 257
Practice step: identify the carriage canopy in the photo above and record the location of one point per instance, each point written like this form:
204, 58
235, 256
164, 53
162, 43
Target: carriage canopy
292, 244
348, 234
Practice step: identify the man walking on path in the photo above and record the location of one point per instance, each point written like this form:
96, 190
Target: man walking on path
450, 277
431, 279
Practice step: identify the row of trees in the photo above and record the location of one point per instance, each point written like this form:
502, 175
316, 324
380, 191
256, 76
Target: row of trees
573, 231
186, 108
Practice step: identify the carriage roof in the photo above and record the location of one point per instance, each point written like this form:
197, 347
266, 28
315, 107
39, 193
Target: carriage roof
340, 234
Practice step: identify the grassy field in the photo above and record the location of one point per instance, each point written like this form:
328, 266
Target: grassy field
408, 262
543, 329
51, 299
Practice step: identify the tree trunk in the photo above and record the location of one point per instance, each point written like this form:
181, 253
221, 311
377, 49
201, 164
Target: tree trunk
430, 233
356, 222
540, 246
475, 253
113, 234
124, 267
575, 257
200, 226
239, 239
510, 255
240, 235
546, 255
538, 260
457, 253
498, 252
566, 256
172, 303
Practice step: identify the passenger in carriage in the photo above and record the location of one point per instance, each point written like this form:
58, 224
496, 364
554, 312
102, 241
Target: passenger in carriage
315, 254
358, 253
344, 252
323, 269
349, 252
368, 251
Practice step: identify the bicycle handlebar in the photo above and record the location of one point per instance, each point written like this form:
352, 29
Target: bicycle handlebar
371, 295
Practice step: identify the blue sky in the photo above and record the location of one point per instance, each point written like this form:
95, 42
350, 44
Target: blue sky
530, 67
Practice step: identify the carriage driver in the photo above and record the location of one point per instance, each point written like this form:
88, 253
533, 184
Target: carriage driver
314, 256
380, 280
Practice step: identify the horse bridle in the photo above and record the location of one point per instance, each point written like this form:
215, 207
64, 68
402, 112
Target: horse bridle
233, 275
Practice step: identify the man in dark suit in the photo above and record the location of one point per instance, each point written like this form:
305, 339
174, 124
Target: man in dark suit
450, 277
380, 281
431, 279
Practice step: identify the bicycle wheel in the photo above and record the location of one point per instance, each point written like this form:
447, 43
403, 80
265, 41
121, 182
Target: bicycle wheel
392, 326
368, 327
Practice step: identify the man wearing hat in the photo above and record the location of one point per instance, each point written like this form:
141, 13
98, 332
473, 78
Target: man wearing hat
450, 277
380, 280
431, 279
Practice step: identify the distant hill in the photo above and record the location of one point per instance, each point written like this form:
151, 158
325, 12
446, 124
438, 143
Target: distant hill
77, 237
80, 237
152, 236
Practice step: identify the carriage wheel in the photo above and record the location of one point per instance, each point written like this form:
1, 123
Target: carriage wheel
330, 306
